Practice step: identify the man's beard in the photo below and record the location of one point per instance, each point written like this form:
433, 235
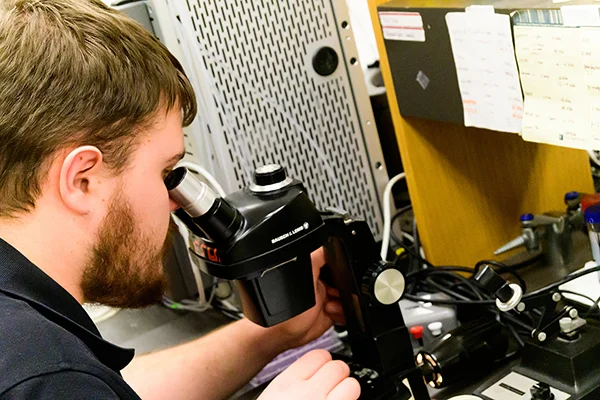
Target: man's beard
125, 268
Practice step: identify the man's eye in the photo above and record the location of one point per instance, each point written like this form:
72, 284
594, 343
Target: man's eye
166, 172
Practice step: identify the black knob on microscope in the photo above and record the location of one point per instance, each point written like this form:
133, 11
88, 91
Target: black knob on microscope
269, 175
541, 391
383, 283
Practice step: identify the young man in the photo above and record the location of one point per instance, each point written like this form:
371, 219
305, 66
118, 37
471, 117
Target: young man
91, 115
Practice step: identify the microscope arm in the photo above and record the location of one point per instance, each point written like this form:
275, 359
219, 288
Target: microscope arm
378, 336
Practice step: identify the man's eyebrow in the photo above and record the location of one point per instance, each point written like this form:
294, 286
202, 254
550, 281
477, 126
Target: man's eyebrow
176, 158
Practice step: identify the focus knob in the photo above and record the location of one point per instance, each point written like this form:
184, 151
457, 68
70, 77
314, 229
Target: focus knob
270, 178
269, 175
384, 284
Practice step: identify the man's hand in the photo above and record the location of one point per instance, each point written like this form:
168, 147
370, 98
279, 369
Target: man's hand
313, 323
315, 377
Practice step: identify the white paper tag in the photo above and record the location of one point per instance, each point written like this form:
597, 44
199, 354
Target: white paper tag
480, 9
406, 26
581, 15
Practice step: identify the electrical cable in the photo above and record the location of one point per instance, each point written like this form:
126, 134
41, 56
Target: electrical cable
562, 281
465, 292
592, 308
387, 218
583, 296
201, 304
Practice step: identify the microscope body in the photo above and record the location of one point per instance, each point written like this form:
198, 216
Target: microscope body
267, 254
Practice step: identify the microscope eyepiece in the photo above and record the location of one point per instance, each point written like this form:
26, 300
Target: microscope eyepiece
201, 207
192, 195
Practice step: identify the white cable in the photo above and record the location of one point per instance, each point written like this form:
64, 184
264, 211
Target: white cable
183, 230
205, 174
387, 217
411, 239
408, 236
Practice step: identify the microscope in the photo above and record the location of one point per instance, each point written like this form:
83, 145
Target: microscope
261, 237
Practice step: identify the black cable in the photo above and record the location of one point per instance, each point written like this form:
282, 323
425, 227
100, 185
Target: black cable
450, 302
525, 263
443, 289
529, 295
592, 308
442, 268
515, 335
398, 240
398, 214
564, 280
462, 280
583, 296
416, 245
528, 328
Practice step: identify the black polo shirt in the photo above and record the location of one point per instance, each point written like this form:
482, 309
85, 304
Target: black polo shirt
49, 346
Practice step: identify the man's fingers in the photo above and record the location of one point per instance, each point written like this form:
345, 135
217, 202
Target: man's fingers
317, 258
333, 307
348, 389
320, 293
306, 367
338, 319
329, 376
333, 292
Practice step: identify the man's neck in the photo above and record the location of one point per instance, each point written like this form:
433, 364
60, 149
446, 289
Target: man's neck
56, 250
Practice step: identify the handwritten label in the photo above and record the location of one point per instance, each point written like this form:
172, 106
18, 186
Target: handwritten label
486, 69
405, 26
560, 74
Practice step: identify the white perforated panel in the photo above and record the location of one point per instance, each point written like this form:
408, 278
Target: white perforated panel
261, 101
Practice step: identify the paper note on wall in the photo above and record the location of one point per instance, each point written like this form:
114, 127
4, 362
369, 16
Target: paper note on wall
556, 108
560, 73
486, 69
590, 56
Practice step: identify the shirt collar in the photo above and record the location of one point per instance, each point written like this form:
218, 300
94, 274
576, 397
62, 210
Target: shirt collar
20, 278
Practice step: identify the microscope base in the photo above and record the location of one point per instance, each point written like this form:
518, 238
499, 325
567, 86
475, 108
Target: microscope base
376, 387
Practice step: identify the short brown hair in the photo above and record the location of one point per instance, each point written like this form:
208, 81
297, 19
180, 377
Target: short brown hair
75, 72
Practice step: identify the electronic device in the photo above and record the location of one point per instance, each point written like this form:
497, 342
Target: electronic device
261, 237
425, 321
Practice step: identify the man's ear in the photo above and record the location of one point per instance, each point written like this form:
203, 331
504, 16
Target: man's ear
76, 173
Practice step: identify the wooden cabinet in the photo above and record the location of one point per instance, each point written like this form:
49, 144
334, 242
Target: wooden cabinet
469, 186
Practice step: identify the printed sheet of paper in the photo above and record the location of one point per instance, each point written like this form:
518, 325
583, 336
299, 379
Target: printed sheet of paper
487, 71
554, 85
560, 73
590, 56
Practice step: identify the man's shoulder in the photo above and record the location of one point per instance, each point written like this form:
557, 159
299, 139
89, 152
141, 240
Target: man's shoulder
24, 329
31, 345
38, 356
63, 384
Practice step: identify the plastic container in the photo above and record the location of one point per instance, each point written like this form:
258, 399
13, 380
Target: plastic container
589, 200
592, 218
